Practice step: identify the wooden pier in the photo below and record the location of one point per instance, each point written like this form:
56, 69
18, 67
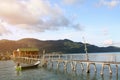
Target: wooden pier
74, 60
61, 59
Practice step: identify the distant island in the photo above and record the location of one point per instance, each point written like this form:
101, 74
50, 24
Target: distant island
64, 46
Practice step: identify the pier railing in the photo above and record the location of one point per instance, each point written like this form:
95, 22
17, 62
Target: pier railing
91, 57
74, 60
73, 57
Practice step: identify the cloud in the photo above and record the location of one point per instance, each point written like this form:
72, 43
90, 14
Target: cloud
108, 3
78, 26
3, 30
73, 2
108, 42
33, 15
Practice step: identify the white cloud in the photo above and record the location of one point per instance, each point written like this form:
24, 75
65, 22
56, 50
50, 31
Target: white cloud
33, 15
108, 42
3, 30
14, 12
72, 2
109, 3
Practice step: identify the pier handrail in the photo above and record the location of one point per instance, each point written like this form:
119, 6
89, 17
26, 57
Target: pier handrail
92, 57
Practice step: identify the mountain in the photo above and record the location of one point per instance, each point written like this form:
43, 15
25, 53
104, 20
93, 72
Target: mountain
65, 46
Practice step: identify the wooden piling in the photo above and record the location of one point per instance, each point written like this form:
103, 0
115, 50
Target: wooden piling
88, 67
109, 66
65, 65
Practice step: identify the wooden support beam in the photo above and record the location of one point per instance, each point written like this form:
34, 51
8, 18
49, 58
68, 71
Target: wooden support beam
109, 66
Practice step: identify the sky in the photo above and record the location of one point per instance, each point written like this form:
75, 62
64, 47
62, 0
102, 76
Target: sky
95, 20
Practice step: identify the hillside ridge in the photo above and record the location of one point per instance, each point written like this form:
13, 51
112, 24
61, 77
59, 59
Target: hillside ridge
65, 46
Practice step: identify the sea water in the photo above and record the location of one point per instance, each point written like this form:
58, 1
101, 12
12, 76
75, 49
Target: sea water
8, 72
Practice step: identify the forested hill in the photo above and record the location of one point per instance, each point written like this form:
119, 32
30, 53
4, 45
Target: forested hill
65, 46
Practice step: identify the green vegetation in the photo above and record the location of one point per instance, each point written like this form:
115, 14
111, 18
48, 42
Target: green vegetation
63, 46
71, 44
28, 49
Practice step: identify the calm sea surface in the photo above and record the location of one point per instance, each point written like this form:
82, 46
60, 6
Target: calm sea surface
7, 72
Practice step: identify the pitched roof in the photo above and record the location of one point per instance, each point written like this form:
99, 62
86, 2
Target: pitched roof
28, 49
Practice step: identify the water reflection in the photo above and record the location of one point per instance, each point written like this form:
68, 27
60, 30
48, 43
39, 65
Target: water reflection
91, 76
117, 75
9, 73
82, 75
18, 73
104, 77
